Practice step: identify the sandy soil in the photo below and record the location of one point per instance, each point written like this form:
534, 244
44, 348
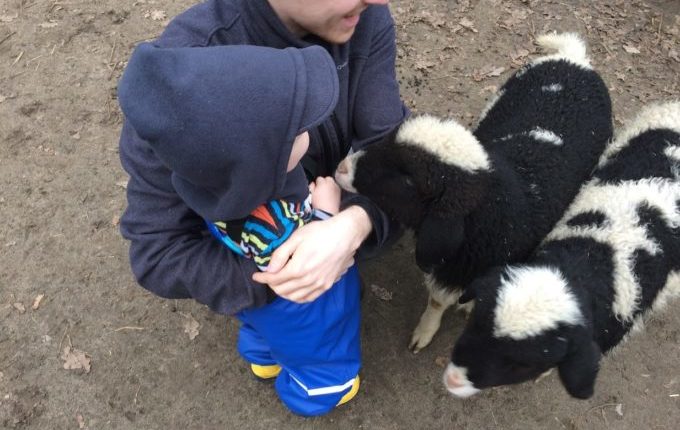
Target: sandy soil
142, 362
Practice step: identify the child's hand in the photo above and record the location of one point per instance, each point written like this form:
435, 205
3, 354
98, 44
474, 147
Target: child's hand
325, 194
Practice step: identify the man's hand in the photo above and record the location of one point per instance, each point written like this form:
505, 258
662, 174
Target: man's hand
316, 255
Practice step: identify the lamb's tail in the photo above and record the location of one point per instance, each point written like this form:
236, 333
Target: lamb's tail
569, 46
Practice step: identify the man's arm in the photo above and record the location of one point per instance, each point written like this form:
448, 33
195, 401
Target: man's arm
171, 252
379, 110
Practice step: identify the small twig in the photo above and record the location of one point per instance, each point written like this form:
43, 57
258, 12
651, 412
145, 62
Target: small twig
7, 37
10, 362
55, 4
62, 339
602, 406
115, 66
137, 392
113, 50
658, 33
33, 59
128, 327
606, 49
16, 60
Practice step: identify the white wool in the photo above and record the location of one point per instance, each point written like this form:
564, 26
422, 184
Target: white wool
569, 47
622, 232
537, 133
552, 88
546, 136
532, 300
662, 115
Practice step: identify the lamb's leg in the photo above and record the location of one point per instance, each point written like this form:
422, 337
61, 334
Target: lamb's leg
439, 301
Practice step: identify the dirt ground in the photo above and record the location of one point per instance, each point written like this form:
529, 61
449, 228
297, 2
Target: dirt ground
68, 299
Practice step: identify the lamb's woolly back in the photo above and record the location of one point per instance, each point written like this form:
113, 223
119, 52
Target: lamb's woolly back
532, 300
447, 140
568, 46
657, 116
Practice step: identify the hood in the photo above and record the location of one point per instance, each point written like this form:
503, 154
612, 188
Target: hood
223, 119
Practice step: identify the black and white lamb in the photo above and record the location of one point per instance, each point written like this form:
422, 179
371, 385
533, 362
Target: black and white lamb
613, 258
488, 197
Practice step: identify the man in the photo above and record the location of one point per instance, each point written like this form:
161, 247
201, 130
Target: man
172, 253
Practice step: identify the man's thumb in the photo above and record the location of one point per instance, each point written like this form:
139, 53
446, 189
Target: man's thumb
280, 257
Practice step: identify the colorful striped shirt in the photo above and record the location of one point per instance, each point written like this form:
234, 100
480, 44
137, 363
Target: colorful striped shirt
266, 228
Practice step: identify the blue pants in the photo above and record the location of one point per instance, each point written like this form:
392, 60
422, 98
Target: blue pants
316, 344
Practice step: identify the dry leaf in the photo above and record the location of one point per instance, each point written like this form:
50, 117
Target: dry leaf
619, 409
496, 72
50, 24
423, 64
75, 359
620, 76
36, 301
81, 421
381, 293
8, 18
674, 55
631, 49
467, 23
486, 72
441, 361
20, 307
191, 326
122, 184
158, 15
115, 220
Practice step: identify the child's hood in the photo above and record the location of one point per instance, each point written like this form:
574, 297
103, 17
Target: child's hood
223, 119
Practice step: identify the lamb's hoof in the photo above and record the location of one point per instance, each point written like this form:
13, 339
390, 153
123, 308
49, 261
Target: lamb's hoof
422, 336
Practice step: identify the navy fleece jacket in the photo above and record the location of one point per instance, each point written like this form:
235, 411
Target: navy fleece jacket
171, 252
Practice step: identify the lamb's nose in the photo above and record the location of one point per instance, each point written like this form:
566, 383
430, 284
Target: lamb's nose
342, 167
453, 379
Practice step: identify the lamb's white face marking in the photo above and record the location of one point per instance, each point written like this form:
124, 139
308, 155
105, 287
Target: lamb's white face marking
651, 117
344, 174
532, 300
622, 232
456, 381
449, 141
548, 136
552, 88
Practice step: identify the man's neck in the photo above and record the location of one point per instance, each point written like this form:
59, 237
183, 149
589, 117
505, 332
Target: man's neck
288, 21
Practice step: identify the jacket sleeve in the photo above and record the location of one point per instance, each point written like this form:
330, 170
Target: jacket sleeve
379, 110
171, 252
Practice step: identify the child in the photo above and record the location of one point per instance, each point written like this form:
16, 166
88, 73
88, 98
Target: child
315, 360
229, 160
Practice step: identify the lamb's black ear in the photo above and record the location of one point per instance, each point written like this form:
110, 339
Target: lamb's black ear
579, 368
437, 241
